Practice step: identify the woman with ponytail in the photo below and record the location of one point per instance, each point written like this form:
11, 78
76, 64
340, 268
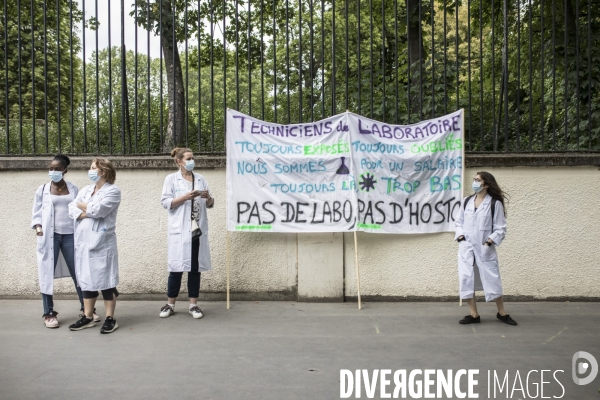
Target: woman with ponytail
186, 197
480, 227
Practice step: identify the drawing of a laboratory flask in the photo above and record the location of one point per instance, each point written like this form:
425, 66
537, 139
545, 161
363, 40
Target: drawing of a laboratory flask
343, 170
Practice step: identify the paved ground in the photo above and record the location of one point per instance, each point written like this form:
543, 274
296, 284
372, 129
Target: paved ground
285, 350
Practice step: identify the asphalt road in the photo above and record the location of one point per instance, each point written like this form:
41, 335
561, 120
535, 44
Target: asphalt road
289, 350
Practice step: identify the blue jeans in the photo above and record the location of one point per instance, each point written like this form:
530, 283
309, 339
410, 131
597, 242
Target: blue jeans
66, 244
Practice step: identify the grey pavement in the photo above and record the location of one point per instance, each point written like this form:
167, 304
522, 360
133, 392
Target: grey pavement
285, 350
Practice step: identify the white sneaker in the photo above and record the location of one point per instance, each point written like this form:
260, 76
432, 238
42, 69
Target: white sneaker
51, 321
166, 311
196, 312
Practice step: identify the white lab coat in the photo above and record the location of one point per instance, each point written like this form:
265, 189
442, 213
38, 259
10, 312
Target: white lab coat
96, 256
478, 264
179, 235
43, 214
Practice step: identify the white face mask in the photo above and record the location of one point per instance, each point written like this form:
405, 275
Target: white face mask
189, 165
93, 175
476, 186
56, 176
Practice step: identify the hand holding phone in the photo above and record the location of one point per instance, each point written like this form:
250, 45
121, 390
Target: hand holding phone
192, 195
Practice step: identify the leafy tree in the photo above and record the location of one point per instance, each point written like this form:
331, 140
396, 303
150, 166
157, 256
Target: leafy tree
542, 110
523, 79
35, 51
141, 131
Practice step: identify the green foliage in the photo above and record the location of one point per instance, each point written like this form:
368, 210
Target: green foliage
548, 78
104, 111
31, 88
289, 63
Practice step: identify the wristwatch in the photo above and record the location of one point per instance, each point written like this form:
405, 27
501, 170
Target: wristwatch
460, 239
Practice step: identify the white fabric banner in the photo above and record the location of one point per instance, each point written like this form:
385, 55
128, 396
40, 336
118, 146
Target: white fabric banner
344, 173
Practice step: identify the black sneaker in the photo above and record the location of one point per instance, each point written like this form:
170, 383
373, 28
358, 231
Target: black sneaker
94, 315
506, 319
83, 323
110, 325
470, 320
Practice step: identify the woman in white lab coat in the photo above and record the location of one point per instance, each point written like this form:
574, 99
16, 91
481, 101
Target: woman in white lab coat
478, 232
186, 197
54, 229
96, 258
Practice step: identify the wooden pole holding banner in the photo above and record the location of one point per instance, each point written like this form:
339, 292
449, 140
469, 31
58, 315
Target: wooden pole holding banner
228, 270
356, 263
357, 272
462, 191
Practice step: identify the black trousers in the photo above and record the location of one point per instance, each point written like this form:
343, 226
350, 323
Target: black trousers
107, 294
174, 282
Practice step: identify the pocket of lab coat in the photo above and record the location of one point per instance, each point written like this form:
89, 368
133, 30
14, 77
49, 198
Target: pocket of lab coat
485, 223
175, 224
98, 266
40, 242
97, 240
464, 251
489, 253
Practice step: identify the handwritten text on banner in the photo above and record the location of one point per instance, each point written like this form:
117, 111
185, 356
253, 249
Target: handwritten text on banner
344, 173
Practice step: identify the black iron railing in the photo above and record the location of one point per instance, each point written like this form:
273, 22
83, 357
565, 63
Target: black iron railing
527, 72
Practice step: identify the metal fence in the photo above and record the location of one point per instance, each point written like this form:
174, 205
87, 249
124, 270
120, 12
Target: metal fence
523, 70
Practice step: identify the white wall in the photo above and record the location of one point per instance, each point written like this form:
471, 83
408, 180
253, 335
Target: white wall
551, 248
260, 262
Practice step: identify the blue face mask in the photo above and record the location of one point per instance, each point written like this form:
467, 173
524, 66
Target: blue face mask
93, 175
476, 186
189, 165
56, 176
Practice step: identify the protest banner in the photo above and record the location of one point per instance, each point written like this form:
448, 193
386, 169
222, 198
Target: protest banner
342, 174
